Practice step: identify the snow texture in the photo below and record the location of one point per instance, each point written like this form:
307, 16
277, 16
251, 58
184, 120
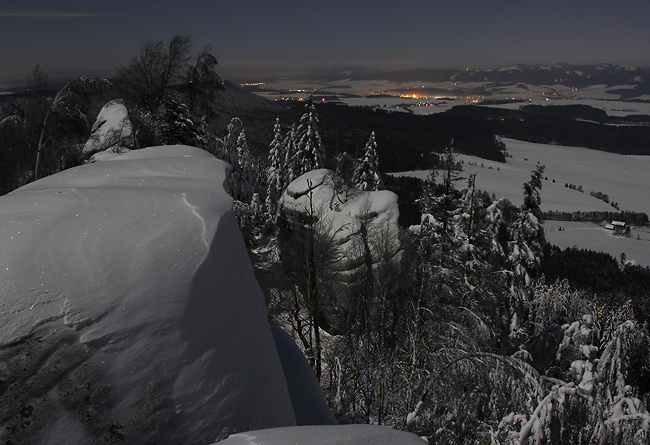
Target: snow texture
326, 435
129, 308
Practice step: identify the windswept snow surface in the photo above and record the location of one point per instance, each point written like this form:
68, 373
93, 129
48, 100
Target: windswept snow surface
325, 435
129, 308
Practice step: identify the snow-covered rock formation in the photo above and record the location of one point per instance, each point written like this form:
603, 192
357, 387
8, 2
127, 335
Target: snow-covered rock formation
326, 435
112, 130
361, 225
129, 308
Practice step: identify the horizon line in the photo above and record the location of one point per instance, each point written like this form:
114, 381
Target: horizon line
50, 15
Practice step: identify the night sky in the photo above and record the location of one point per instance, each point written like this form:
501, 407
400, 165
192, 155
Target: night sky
260, 38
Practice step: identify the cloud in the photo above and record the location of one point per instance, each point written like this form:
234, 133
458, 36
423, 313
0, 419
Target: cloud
48, 15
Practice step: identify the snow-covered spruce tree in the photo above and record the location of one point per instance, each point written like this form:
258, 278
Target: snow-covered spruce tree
276, 173
441, 199
235, 127
176, 125
526, 247
243, 176
367, 176
310, 152
598, 392
290, 161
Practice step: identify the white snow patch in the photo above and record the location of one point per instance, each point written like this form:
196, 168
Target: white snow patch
326, 435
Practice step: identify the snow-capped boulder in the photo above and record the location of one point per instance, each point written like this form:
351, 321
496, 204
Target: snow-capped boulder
112, 130
129, 308
361, 226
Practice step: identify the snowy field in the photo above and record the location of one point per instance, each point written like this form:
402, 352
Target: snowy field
623, 178
593, 237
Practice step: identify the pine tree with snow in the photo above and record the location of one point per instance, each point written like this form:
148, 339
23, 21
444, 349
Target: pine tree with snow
310, 152
276, 172
243, 177
290, 161
176, 125
525, 249
367, 176
235, 127
245, 170
443, 199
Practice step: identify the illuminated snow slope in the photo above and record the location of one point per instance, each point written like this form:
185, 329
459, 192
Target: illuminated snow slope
326, 435
129, 308
623, 178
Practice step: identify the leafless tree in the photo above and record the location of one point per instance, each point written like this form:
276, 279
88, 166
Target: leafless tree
147, 79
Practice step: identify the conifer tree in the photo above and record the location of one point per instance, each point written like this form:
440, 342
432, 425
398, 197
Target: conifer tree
290, 149
235, 127
245, 170
446, 201
243, 176
276, 173
176, 125
310, 153
525, 249
367, 176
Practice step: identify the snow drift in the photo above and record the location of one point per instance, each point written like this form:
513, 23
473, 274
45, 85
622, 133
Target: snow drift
129, 308
326, 435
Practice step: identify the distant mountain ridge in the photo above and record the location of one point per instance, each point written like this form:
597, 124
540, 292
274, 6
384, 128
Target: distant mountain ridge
578, 76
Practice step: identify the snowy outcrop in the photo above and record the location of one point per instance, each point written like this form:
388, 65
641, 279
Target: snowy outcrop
130, 310
326, 435
112, 130
362, 227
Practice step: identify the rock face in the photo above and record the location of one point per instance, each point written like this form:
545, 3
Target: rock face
112, 130
360, 226
129, 308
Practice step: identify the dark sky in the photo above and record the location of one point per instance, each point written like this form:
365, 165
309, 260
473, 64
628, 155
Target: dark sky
256, 38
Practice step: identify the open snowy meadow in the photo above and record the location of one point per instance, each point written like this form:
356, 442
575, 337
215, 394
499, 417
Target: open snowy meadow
623, 178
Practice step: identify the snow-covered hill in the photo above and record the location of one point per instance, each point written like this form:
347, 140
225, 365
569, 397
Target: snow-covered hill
129, 308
